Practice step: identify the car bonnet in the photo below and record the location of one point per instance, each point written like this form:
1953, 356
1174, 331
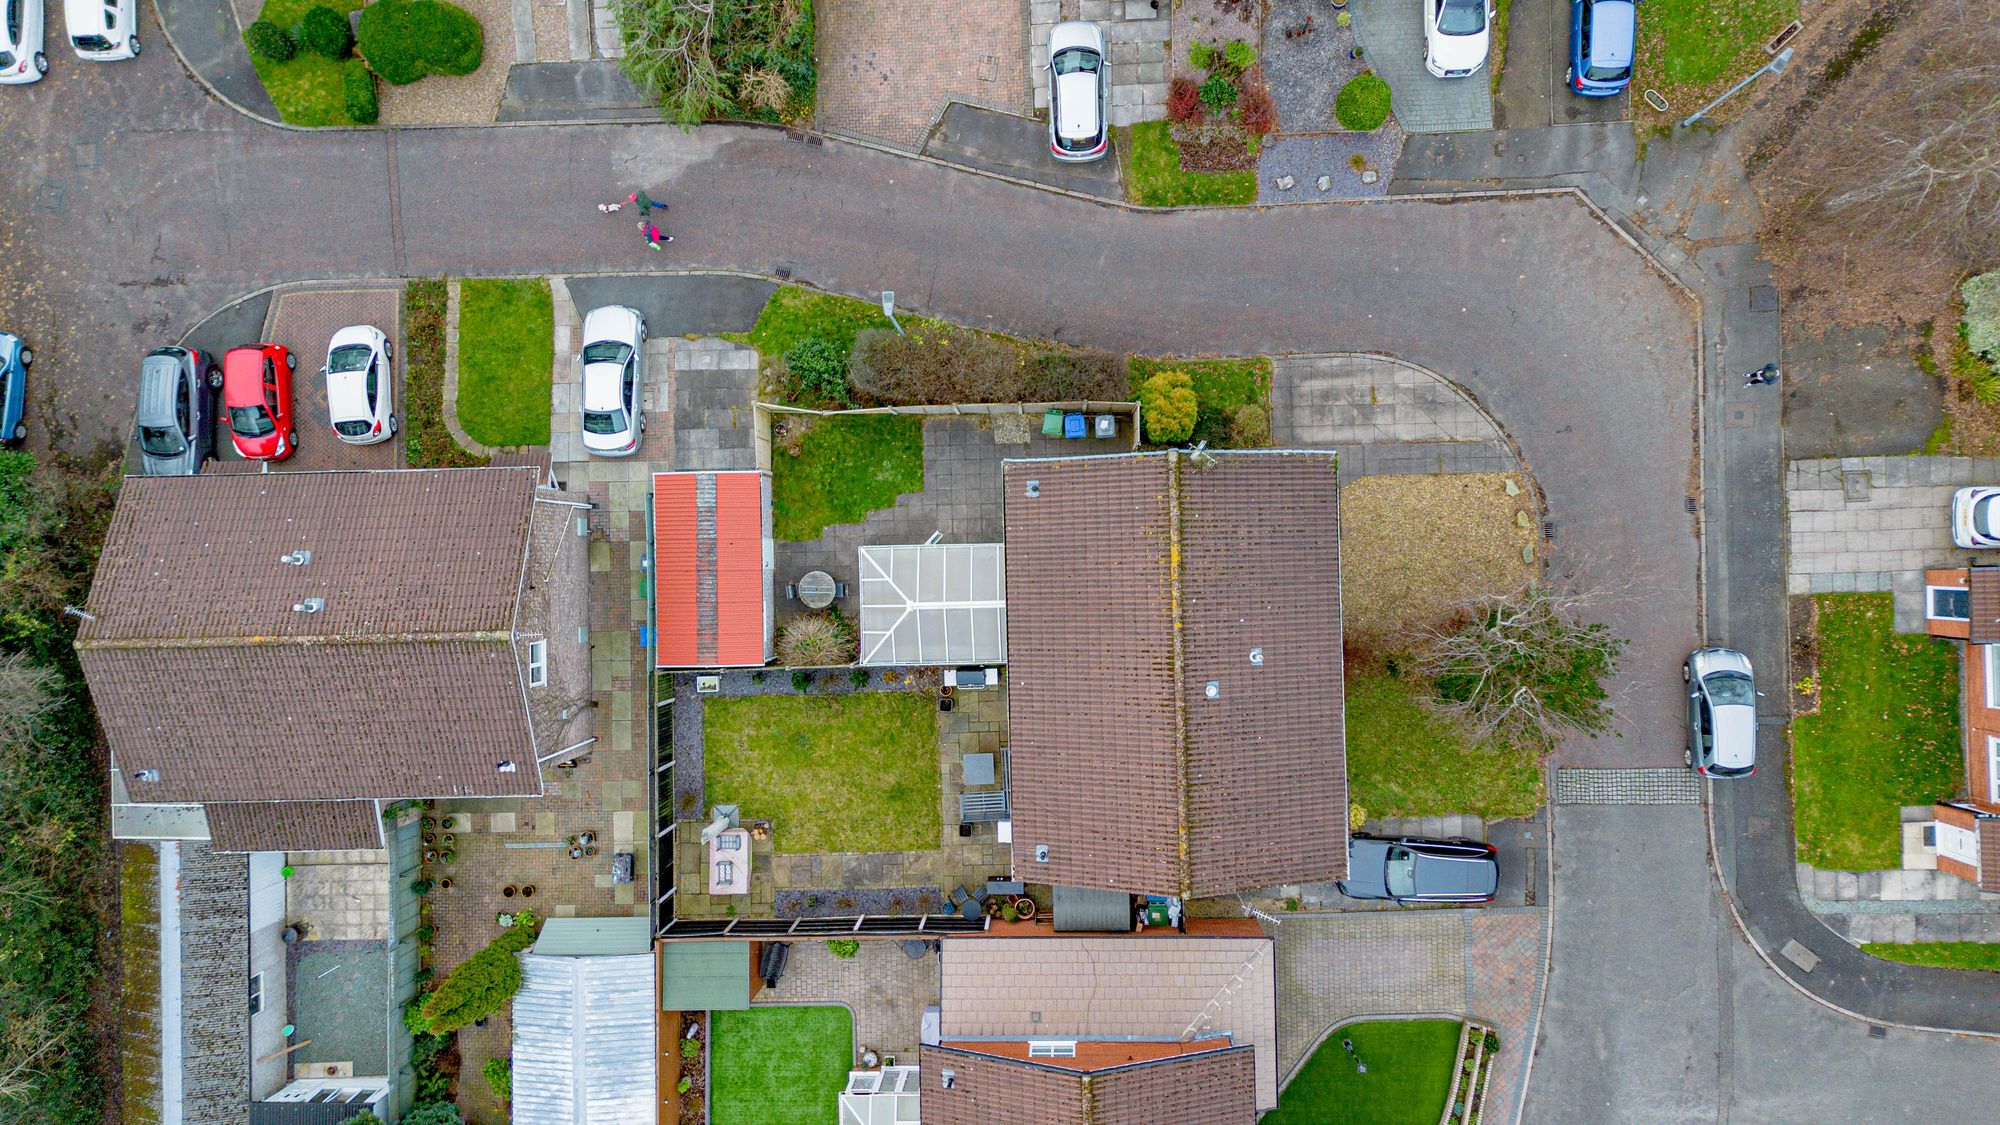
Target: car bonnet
1365, 858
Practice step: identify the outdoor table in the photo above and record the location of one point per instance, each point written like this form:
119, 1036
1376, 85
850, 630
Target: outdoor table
978, 769
816, 589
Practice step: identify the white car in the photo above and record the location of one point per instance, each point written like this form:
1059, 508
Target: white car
1975, 518
21, 57
360, 385
1077, 90
614, 373
103, 30
1456, 34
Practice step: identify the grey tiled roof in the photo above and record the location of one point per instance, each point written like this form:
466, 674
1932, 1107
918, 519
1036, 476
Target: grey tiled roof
293, 826
1133, 582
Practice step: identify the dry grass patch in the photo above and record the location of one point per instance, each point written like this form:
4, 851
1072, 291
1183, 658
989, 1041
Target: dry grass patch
1412, 547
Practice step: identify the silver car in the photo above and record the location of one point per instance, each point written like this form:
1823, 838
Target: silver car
1722, 713
1077, 92
614, 377
175, 422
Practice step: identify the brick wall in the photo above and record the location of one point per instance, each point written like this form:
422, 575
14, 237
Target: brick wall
215, 983
1956, 579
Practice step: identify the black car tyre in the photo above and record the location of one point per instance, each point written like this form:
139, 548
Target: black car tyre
135, 48
292, 439
27, 356
291, 361
1687, 673
214, 378
20, 431
41, 63
393, 426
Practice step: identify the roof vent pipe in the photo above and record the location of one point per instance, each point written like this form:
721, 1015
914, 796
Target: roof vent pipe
310, 605
296, 558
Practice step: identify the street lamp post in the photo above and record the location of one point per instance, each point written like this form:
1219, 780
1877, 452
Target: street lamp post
889, 310
1775, 66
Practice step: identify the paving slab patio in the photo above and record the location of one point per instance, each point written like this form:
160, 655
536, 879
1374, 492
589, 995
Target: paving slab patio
886, 989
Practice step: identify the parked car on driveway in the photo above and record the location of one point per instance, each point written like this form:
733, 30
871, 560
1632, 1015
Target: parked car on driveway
1078, 90
614, 373
14, 360
360, 385
1456, 36
21, 32
175, 422
103, 30
1602, 35
1722, 713
257, 393
1975, 517
1413, 869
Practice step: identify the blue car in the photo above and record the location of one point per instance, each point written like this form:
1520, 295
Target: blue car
1601, 37
14, 360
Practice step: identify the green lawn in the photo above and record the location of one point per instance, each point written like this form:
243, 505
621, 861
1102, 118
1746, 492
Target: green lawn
1153, 176
1220, 386
1886, 735
1940, 954
1403, 761
307, 89
846, 467
837, 773
427, 444
792, 314
1409, 1075
1692, 44
779, 1065
506, 348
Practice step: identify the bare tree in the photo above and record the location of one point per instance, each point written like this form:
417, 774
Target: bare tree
1525, 667
669, 52
27, 693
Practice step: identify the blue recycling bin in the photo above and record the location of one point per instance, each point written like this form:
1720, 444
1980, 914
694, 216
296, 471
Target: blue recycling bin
1073, 426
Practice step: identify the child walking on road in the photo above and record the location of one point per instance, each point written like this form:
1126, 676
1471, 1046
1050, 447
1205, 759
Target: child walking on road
653, 235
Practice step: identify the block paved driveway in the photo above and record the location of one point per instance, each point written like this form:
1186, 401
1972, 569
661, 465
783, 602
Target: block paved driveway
886, 67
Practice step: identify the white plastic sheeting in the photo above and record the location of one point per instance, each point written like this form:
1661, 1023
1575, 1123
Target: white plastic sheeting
584, 1041
934, 603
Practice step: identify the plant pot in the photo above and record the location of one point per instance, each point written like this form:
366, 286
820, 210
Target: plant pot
1025, 907
429, 823
448, 857
590, 849
449, 840
1337, 5
1354, 52
528, 891
508, 891
444, 884
430, 838
430, 855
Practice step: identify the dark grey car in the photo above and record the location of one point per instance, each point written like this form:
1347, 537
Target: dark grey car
1410, 869
175, 424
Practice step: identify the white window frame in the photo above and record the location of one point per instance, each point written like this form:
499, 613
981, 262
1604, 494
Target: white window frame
1992, 770
256, 993
1990, 663
538, 663
1051, 1048
1930, 603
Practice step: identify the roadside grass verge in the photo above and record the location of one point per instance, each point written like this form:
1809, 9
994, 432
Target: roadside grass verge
1153, 176
845, 468
1886, 735
306, 89
506, 350
1692, 50
1939, 954
1404, 761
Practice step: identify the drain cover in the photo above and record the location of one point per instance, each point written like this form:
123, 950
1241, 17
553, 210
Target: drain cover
1763, 298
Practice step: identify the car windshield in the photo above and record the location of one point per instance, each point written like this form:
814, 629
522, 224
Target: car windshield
91, 42
1400, 872
161, 441
604, 421
606, 351
1462, 17
355, 428
349, 357
251, 421
1076, 59
1984, 514
1731, 689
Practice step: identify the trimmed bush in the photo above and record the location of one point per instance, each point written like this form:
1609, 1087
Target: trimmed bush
1168, 406
1184, 101
1982, 314
843, 948
1239, 56
481, 986
267, 40
815, 373
357, 85
362, 1118
1363, 104
1218, 94
940, 366
403, 40
324, 31
1250, 428
816, 639
433, 1113
1201, 55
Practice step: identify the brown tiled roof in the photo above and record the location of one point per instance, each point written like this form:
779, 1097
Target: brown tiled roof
1984, 582
405, 684
1212, 1088
1132, 583
293, 826
1170, 989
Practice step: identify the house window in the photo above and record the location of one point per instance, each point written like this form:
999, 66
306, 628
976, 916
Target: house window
538, 663
1948, 603
1991, 660
256, 993
1992, 770
1052, 1048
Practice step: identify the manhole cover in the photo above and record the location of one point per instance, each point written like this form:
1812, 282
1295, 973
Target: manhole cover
1763, 298
1854, 485
1740, 417
49, 197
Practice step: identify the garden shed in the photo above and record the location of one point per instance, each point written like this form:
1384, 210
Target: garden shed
934, 603
713, 562
704, 976
584, 1040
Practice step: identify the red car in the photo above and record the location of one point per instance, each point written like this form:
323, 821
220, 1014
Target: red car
257, 394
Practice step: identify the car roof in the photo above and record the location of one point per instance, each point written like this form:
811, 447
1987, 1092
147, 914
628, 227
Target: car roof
243, 373
157, 379
1735, 736
1613, 26
347, 396
601, 390
1076, 104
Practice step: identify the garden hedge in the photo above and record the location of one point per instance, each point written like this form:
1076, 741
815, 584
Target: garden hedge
324, 31
482, 985
403, 40
357, 85
267, 40
1168, 406
940, 366
1363, 104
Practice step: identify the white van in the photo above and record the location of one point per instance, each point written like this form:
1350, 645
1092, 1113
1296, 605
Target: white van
103, 30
